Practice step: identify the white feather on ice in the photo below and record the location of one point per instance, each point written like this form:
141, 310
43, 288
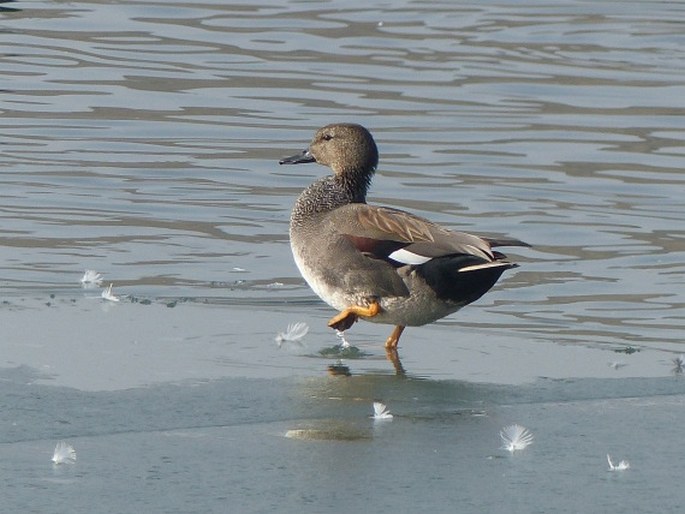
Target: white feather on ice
293, 334
380, 411
108, 295
91, 278
64, 453
621, 466
515, 437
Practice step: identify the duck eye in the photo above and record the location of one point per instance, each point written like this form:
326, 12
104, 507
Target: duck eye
327, 137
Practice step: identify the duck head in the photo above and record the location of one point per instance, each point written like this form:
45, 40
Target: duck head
346, 148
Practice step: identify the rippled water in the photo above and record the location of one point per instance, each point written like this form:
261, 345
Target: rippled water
141, 139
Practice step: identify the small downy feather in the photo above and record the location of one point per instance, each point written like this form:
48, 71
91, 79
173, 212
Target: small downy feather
515, 437
91, 278
64, 453
621, 466
380, 411
108, 295
293, 334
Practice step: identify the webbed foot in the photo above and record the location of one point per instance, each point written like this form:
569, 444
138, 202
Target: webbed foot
347, 318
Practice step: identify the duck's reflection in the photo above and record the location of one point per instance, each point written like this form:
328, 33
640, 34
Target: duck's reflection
341, 369
394, 357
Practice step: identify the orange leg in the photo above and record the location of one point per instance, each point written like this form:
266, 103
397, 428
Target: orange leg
346, 318
394, 338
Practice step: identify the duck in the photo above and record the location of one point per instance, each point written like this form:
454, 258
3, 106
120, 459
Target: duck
375, 263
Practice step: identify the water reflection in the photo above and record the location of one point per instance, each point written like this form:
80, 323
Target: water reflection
141, 141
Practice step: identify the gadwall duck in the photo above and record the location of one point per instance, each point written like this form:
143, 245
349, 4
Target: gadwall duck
378, 263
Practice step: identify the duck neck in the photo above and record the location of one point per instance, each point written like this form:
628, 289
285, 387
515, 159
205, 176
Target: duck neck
354, 184
329, 193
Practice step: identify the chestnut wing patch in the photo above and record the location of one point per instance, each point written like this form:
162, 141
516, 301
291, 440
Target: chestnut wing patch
377, 248
397, 253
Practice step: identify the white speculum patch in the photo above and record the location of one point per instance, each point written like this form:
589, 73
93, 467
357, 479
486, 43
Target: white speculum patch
407, 257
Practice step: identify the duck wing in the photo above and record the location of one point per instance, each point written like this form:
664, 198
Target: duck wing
457, 266
402, 238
